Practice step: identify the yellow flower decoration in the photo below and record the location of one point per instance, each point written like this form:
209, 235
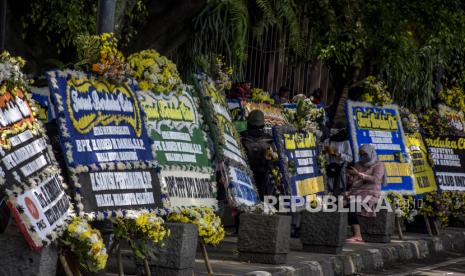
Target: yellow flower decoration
141, 232
454, 97
151, 225
210, 229
86, 244
261, 96
375, 92
101, 53
439, 205
11, 76
154, 72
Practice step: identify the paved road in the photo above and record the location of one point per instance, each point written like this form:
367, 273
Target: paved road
453, 265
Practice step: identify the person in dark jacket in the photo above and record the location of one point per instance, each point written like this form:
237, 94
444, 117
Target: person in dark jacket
242, 91
282, 96
338, 153
259, 148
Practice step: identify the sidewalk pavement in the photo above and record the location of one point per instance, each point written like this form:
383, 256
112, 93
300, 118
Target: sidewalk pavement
354, 258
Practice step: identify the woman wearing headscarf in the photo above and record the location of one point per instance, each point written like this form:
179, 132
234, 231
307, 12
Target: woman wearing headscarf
365, 179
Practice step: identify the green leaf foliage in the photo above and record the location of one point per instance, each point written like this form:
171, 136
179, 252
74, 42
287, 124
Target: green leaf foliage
414, 46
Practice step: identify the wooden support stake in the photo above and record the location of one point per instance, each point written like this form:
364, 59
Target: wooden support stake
147, 268
65, 265
113, 245
436, 226
428, 225
205, 258
120, 262
399, 228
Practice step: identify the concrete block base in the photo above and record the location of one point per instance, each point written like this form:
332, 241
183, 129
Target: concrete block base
264, 239
171, 272
177, 256
379, 228
17, 258
323, 232
325, 249
262, 258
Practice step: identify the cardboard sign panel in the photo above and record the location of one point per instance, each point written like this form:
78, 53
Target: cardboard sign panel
15, 111
241, 187
455, 118
103, 134
235, 109
173, 123
382, 128
44, 207
448, 154
103, 121
28, 173
227, 137
424, 181
188, 189
24, 152
274, 116
228, 147
179, 145
298, 161
27, 157
113, 190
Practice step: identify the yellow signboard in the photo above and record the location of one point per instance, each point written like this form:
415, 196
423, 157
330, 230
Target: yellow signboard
310, 186
424, 180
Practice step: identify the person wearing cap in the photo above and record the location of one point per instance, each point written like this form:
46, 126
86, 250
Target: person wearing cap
258, 146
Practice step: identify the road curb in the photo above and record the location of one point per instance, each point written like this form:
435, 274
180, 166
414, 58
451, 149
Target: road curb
372, 259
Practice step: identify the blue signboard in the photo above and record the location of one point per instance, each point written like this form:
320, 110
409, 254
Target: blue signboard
105, 142
102, 122
42, 98
241, 187
298, 161
382, 128
239, 182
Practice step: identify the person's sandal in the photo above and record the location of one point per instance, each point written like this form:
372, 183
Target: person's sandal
354, 240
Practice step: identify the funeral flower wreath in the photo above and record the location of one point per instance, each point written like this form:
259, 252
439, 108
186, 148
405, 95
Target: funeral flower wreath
14, 84
217, 116
181, 90
104, 166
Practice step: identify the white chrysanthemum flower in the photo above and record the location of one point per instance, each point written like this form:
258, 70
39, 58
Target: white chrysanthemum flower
100, 216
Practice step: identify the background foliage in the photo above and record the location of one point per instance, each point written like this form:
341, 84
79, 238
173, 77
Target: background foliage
62, 21
416, 47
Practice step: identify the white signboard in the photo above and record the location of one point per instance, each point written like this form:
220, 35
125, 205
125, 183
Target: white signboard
42, 209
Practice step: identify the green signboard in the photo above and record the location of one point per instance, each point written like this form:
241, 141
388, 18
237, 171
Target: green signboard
174, 125
179, 145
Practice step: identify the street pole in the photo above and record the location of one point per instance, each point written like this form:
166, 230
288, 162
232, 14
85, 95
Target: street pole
105, 16
2, 24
